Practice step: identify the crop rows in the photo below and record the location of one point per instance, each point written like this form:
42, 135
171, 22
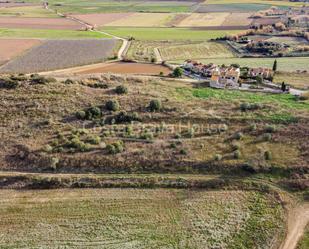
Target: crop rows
57, 54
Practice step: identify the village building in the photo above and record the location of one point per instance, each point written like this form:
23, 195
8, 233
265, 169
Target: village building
263, 72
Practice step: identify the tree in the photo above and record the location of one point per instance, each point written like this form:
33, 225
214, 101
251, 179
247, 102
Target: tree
259, 79
177, 72
275, 66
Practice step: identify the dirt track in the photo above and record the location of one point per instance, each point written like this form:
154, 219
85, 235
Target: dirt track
297, 222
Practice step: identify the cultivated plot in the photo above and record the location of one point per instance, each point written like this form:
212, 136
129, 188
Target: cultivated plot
139, 218
39, 23
9, 48
57, 54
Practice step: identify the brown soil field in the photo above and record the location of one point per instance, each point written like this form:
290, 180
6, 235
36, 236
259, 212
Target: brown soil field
10, 48
101, 19
265, 21
39, 23
237, 19
128, 68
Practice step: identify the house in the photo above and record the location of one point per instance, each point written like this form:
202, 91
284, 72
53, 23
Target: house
225, 77
263, 72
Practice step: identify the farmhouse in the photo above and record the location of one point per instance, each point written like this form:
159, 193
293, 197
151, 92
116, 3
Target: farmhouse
219, 76
263, 72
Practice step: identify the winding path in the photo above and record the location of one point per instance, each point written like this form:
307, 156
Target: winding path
298, 218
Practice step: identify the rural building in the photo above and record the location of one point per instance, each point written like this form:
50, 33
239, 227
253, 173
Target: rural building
225, 77
263, 72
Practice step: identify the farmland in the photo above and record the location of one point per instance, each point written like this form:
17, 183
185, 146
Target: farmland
167, 33
49, 34
57, 54
9, 48
297, 80
176, 50
39, 23
28, 11
114, 218
289, 64
128, 68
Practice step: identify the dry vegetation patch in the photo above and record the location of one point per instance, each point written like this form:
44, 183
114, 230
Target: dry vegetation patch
122, 218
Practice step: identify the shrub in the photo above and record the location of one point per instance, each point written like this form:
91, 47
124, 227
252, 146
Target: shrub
191, 132
235, 146
80, 114
115, 148
53, 163
8, 83
267, 155
223, 128
183, 152
267, 137
218, 157
250, 107
237, 154
304, 96
68, 81
238, 135
155, 105
93, 139
178, 72
147, 136
93, 112
38, 80
48, 149
173, 145
270, 128
178, 136
78, 145
252, 127
112, 105
124, 117
121, 90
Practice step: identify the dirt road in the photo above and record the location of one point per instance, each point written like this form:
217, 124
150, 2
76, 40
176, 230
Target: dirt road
297, 221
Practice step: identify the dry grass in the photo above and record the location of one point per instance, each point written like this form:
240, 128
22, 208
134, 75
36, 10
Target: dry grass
297, 80
203, 20
126, 218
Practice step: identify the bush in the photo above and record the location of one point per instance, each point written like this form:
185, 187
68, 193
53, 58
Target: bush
80, 114
155, 105
115, 148
41, 80
218, 157
124, 117
178, 72
112, 105
121, 90
147, 136
78, 145
93, 139
237, 154
8, 83
68, 81
267, 137
250, 107
235, 146
252, 127
267, 155
270, 128
238, 135
93, 112
183, 152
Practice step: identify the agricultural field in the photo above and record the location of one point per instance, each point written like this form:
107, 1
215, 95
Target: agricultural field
50, 34
39, 23
27, 11
108, 6
167, 33
297, 80
128, 68
203, 20
143, 218
176, 50
57, 54
10, 48
289, 64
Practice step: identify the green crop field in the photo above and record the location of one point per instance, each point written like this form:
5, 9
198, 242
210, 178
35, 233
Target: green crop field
139, 218
82, 6
49, 34
168, 33
284, 64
